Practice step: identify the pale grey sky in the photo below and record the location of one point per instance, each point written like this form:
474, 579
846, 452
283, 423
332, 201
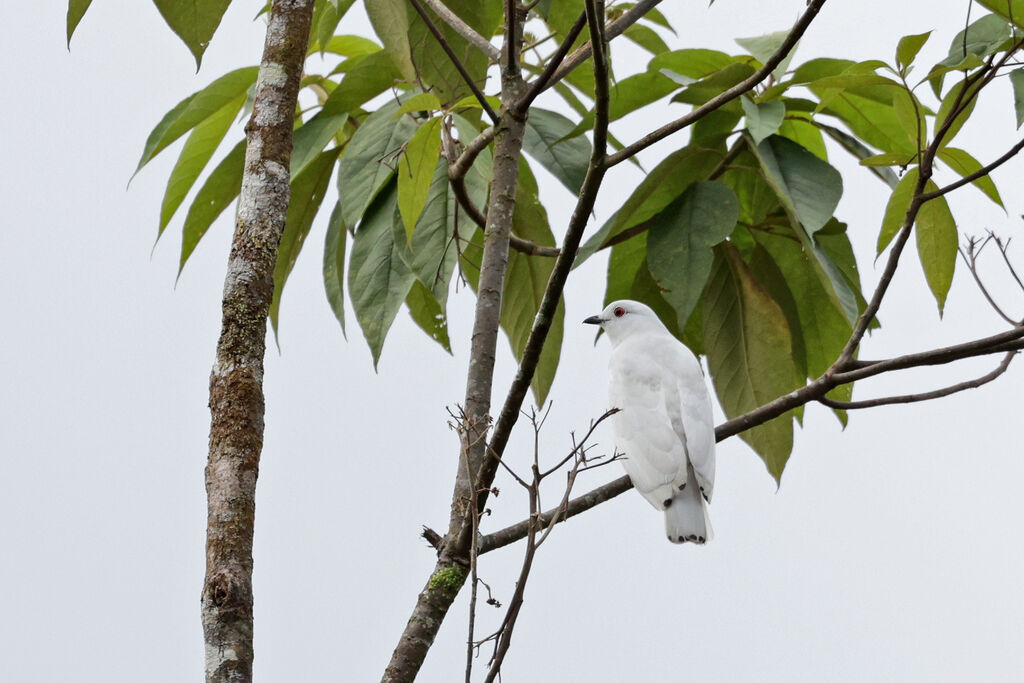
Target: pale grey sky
890, 553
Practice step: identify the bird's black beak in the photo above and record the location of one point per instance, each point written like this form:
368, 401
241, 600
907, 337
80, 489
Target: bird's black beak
593, 320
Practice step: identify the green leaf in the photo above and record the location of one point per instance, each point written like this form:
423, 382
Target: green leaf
202, 142
854, 147
714, 85
525, 281
1007, 9
1017, 81
307, 193
763, 47
426, 312
810, 185
378, 279
896, 208
369, 160
433, 251
809, 190
334, 265
76, 10
888, 159
936, 245
909, 46
763, 118
326, 21
868, 111
367, 76
220, 189
664, 183
964, 164
416, 172
771, 277
749, 351
679, 243
567, 158
390, 20
427, 101
309, 139
806, 134
694, 64
195, 109
624, 262
194, 21
910, 114
823, 327
946, 108
982, 38
352, 46
434, 69
647, 38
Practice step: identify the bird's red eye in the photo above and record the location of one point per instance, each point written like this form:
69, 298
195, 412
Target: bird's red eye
619, 312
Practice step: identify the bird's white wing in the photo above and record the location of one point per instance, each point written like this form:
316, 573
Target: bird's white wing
654, 452
689, 405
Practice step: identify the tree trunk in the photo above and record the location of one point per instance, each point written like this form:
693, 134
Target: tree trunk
236, 382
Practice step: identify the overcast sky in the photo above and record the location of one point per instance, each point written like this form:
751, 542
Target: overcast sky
890, 553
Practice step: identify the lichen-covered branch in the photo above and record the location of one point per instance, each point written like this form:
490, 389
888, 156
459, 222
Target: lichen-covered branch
236, 382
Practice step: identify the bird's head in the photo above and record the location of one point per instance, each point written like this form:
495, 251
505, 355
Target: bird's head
622, 318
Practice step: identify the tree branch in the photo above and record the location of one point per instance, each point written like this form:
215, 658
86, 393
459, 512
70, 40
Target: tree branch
732, 93
464, 29
453, 561
236, 382
924, 396
459, 66
1008, 342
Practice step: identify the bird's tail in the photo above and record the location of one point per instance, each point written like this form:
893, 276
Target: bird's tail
686, 519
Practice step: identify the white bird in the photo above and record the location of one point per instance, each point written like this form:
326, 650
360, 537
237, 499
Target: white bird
664, 427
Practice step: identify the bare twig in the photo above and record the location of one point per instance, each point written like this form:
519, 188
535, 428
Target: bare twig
732, 93
924, 396
970, 257
464, 29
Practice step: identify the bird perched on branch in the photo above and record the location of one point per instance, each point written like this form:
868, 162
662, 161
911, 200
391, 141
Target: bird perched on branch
664, 427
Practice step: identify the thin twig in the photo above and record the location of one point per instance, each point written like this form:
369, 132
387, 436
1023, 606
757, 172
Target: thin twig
732, 93
971, 261
459, 66
924, 396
